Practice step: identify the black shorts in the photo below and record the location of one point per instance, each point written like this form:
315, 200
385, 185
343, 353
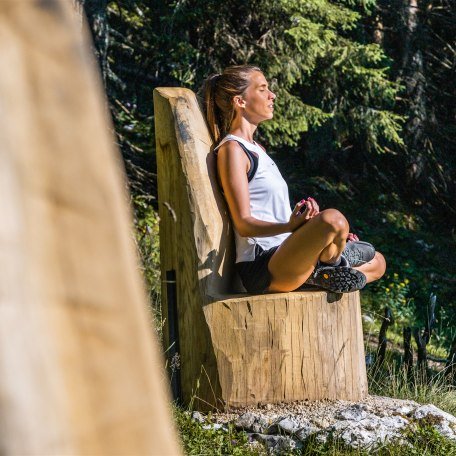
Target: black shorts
255, 275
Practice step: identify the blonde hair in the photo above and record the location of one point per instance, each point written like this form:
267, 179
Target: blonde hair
219, 91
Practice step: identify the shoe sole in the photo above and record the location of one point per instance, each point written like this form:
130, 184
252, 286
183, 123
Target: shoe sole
338, 279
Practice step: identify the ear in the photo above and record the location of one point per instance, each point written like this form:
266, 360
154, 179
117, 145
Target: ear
239, 101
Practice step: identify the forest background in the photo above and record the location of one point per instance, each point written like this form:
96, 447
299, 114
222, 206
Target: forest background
364, 120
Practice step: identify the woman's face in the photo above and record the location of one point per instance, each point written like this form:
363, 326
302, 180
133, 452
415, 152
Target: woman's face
257, 103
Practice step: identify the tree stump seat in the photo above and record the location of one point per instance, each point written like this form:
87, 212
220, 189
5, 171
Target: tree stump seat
236, 349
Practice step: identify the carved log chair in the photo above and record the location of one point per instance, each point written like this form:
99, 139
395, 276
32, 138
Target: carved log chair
236, 349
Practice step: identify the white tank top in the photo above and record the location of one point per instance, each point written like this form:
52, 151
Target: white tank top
269, 200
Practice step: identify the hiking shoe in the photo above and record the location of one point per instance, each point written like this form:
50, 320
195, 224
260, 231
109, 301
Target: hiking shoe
338, 279
358, 252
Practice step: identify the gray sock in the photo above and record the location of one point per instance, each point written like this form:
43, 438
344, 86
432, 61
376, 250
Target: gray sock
336, 263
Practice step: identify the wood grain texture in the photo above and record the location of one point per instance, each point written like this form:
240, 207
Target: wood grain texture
285, 346
80, 370
252, 349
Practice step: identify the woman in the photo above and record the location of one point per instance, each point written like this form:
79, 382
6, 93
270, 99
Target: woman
277, 248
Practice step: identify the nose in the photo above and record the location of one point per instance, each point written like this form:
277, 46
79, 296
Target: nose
272, 95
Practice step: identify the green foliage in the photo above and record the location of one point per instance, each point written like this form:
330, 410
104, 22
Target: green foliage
147, 237
199, 441
425, 440
395, 295
298, 43
147, 240
337, 112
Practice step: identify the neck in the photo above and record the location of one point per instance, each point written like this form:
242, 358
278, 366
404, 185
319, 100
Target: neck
243, 128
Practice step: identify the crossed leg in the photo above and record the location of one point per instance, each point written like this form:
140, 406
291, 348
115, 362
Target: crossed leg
322, 238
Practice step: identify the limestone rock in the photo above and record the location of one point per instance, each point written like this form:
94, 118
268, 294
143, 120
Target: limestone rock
354, 413
198, 417
256, 423
284, 425
307, 429
429, 409
245, 421
276, 444
442, 421
261, 424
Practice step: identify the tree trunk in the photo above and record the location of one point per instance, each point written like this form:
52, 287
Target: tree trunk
412, 74
96, 12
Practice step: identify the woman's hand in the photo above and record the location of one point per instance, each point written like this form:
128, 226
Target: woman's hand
352, 237
303, 212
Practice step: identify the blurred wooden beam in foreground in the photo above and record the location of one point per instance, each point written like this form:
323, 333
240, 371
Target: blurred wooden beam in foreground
80, 372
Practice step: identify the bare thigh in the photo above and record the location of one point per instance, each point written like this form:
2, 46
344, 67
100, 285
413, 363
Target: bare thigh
295, 259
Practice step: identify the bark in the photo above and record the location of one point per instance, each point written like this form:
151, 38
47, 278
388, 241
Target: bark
408, 351
96, 12
382, 340
412, 74
378, 33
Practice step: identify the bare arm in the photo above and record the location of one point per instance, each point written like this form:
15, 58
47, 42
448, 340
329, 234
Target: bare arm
232, 167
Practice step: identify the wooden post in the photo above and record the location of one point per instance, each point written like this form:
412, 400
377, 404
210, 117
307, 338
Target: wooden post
80, 371
408, 351
382, 340
237, 349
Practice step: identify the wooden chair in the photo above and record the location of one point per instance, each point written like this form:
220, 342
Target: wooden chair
236, 349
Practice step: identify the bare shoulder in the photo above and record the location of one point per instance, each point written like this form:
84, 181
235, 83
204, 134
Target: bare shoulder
231, 153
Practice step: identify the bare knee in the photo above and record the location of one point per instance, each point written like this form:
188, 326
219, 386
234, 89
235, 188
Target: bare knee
334, 221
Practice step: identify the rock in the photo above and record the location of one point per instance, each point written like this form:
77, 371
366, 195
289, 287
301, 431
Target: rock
256, 423
215, 426
365, 425
442, 421
432, 410
197, 416
245, 421
404, 410
287, 426
306, 431
369, 430
446, 430
261, 424
395, 422
276, 444
322, 423
355, 413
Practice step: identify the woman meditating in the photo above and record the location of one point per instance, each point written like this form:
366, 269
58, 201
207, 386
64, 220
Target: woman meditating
277, 248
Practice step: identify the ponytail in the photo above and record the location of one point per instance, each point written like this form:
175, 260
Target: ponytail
212, 116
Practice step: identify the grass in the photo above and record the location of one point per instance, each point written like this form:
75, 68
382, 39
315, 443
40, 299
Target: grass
392, 381
199, 441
